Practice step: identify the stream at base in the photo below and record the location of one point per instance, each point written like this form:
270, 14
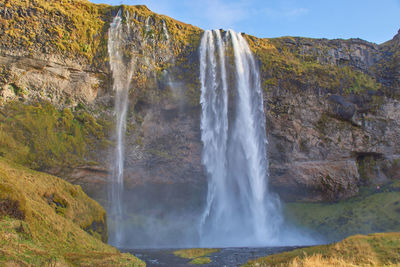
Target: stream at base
229, 257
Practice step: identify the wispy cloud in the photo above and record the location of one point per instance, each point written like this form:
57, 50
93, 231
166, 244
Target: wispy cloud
220, 13
285, 13
296, 12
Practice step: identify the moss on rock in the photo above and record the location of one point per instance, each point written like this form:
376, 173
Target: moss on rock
287, 67
41, 137
375, 210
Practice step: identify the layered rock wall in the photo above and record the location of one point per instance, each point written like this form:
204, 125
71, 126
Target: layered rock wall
332, 106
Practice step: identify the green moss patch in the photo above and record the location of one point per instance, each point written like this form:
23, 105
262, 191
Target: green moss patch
79, 28
372, 211
197, 255
201, 260
289, 68
192, 253
76, 26
42, 137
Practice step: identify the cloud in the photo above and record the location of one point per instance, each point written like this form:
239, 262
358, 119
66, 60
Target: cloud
296, 12
285, 13
220, 13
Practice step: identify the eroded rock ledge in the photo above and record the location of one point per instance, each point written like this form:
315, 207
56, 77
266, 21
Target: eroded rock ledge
332, 106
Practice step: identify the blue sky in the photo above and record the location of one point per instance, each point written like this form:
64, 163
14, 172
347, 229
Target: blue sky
372, 20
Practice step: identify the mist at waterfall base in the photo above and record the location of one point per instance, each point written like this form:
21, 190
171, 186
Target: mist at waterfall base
240, 209
149, 215
122, 71
236, 209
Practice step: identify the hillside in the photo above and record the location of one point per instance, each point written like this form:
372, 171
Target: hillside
47, 221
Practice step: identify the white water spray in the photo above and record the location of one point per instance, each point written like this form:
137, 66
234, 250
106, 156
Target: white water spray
240, 210
165, 30
122, 70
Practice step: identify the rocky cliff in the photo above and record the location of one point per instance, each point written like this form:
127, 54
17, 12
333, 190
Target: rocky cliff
332, 111
332, 106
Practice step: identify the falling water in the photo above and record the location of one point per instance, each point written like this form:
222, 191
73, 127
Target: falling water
165, 30
122, 70
240, 210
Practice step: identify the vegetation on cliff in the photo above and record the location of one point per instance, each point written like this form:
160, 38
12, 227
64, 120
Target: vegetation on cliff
388, 68
371, 250
79, 28
76, 26
285, 64
369, 212
41, 137
47, 221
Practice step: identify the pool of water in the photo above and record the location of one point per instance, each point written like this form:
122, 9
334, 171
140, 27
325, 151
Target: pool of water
228, 257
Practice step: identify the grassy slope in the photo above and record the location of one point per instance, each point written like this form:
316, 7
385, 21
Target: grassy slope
42, 220
367, 213
360, 250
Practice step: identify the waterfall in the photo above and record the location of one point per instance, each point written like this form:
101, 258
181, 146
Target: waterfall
240, 210
122, 70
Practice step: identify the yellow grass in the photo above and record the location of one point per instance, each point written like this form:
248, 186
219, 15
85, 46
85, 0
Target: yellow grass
192, 253
45, 226
382, 249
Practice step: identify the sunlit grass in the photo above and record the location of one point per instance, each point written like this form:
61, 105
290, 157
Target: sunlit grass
196, 254
43, 221
201, 260
192, 253
381, 249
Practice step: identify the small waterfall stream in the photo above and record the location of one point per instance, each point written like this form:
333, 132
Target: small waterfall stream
122, 71
240, 210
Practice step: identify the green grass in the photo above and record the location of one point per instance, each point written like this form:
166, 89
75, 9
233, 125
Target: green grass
45, 221
201, 260
192, 253
368, 213
197, 255
41, 137
381, 249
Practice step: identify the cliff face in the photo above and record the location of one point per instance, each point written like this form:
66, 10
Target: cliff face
332, 111
331, 105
